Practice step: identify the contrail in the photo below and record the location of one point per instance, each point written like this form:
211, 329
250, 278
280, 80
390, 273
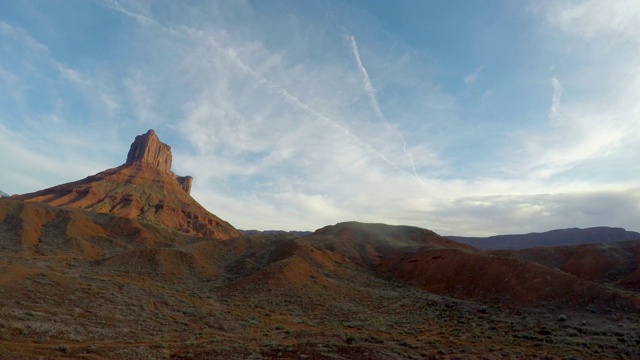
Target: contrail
275, 87
293, 99
371, 92
113, 4
368, 87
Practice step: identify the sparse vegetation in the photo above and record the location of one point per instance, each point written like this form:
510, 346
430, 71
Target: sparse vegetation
134, 289
64, 348
351, 339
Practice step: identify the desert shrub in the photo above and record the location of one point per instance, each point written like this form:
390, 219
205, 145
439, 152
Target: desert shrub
545, 331
351, 339
373, 339
573, 332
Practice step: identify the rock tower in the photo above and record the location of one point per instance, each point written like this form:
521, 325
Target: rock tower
148, 149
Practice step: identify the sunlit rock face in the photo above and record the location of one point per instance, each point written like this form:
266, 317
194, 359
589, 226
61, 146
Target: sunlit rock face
148, 149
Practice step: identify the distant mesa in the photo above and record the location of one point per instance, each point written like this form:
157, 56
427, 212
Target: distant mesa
560, 237
3, 194
144, 188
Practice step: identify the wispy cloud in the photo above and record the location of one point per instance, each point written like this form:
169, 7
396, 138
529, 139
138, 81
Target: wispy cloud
292, 100
595, 19
55, 116
143, 102
115, 5
519, 214
371, 92
473, 77
596, 120
288, 123
555, 99
90, 87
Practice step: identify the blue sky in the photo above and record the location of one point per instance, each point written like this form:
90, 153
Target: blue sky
467, 118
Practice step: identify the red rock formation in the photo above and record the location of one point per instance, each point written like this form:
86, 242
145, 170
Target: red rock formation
185, 182
147, 148
144, 188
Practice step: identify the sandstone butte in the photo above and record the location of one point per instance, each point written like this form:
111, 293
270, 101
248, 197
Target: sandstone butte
143, 188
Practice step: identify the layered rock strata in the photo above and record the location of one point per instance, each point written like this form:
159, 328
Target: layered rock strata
148, 149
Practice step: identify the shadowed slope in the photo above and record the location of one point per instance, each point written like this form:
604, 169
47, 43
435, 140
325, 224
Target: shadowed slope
613, 263
479, 276
367, 244
442, 266
388, 235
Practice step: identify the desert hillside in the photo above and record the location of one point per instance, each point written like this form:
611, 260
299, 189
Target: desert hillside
126, 265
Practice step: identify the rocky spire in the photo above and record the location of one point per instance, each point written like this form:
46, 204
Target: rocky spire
148, 149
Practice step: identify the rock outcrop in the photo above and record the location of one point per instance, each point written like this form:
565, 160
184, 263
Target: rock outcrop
145, 189
185, 183
148, 149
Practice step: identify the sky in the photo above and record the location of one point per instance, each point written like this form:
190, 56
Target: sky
464, 117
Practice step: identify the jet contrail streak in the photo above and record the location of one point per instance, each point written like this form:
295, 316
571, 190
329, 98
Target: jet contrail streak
371, 92
293, 99
277, 88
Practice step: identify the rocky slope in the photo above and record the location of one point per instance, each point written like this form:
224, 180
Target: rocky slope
616, 263
144, 188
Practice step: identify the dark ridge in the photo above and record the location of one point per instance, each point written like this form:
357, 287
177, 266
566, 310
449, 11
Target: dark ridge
572, 236
276, 232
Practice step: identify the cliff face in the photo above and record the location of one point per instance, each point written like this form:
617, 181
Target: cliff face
148, 149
